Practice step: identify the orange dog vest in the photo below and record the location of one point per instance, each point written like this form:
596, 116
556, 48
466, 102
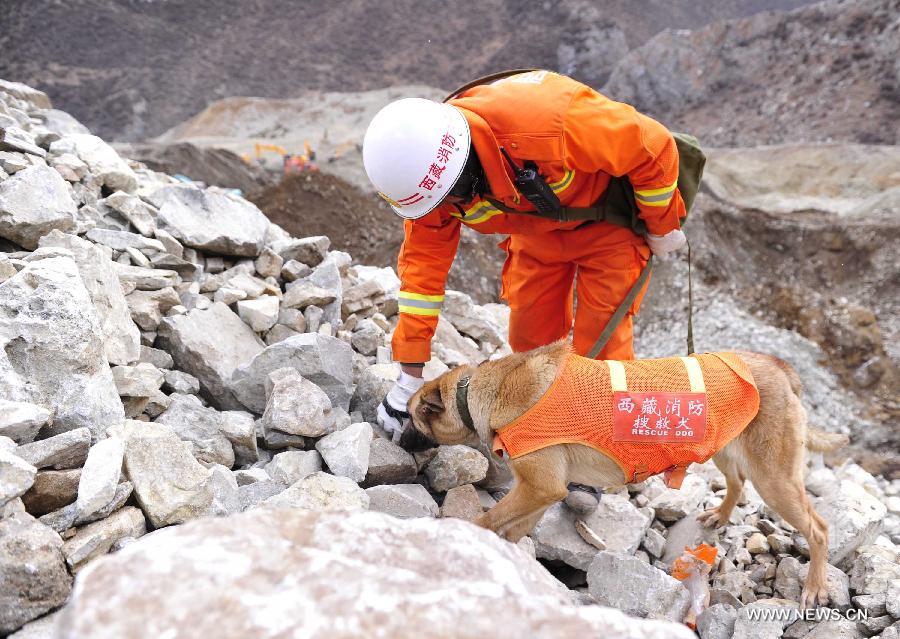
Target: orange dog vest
650, 416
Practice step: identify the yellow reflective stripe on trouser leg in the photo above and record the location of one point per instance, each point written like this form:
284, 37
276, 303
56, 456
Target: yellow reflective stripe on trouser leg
617, 376
420, 304
695, 374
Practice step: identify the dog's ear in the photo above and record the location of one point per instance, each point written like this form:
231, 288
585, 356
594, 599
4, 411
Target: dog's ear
432, 401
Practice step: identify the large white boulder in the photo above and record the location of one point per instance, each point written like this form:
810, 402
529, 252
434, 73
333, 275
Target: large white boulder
33, 202
121, 337
289, 573
52, 349
211, 220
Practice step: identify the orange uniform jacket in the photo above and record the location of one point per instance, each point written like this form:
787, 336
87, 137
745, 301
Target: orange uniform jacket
577, 137
577, 408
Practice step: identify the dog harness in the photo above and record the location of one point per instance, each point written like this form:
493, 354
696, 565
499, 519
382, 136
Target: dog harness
651, 416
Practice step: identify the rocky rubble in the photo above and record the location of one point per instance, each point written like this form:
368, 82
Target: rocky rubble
171, 356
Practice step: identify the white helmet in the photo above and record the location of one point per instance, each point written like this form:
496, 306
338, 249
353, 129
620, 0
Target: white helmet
414, 151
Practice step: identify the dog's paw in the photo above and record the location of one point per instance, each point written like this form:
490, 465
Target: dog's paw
813, 596
710, 518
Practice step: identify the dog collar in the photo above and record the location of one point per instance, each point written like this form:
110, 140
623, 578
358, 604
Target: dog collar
399, 415
462, 402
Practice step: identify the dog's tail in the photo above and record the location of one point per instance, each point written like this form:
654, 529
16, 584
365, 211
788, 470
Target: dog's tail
823, 442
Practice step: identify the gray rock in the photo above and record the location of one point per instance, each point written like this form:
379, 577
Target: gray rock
635, 587
470, 319
97, 539
146, 279
292, 319
389, 464
139, 213
654, 543
873, 570
324, 361
791, 575
13, 138
100, 476
874, 625
308, 250
148, 308
104, 163
259, 314
157, 357
240, 429
279, 333
224, 486
170, 485
211, 220
29, 588
33, 202
347, 451
497, 589
321, 492
66, 450
21, 421
892, 598
296, 406
717, 622
367, 337
43, 628
247, 476
556, 539
201, 426
327, 275
211, 345
180, 382
675, 504
123, 240
618, 523
751, 625
120, 336
374, 383
855, 518
16, 476
32, 96
302, 293
269, 263
140, 380
251, 495
44, 311
52, 489
405, 501
291, 466
294, 270
462, 502
454, 466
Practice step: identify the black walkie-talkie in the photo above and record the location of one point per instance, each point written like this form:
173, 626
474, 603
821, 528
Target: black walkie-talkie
533, 187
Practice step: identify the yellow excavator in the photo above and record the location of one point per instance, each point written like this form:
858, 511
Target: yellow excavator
290, 163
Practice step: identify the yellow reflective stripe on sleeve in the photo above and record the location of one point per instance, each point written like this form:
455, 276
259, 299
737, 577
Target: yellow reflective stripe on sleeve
660, 191
695, 374
660, 203
415, 310
617, 376
563, 183
406, 295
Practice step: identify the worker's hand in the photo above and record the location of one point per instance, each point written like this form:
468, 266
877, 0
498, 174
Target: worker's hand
392, 414
662, 245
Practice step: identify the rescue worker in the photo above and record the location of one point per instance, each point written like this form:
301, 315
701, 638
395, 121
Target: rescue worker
442, 165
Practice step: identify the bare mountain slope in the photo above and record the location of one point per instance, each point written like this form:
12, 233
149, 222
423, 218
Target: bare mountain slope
130, 69
826, 72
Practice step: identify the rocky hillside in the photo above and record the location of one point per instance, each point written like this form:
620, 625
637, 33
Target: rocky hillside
187, 397
822, 73
160, 62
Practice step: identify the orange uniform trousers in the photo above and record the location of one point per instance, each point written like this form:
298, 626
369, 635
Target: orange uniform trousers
596, 264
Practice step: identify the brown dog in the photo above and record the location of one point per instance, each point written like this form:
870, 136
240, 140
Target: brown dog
769, 451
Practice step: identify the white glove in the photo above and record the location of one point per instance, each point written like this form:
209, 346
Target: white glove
397, 398
662, 245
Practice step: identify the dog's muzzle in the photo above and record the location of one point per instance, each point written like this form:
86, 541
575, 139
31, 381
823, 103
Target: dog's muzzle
414, 441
